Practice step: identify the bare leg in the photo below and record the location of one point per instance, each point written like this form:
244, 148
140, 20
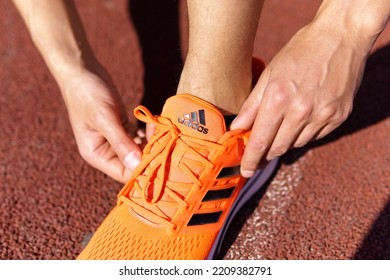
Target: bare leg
218, 64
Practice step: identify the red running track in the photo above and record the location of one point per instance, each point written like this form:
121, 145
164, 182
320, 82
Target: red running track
329, 200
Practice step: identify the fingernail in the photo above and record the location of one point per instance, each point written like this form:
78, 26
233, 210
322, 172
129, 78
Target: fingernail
247, 173
141, 133
137, 140
132, 160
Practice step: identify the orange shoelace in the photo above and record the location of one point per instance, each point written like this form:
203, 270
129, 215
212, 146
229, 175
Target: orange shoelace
153, 168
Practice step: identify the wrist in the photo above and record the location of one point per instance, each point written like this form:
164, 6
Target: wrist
63, 64
75, 86
66, 64
359, 21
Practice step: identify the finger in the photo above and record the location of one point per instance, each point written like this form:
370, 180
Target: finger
116, 170
140, 139
260, 140
105, 159
270, 113
308, 134
324, 131
128, 152
285, 138
131, 128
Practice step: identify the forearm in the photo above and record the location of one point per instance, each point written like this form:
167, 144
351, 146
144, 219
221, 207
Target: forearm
56, 30
360, 21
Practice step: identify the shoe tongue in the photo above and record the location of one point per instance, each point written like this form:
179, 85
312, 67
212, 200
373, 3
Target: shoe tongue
195, 117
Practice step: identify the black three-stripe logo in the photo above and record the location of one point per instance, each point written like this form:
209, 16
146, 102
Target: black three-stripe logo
195, 120
198, 117
212, 217
211, 195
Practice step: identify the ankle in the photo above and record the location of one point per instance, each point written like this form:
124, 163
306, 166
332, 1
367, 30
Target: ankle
225, 87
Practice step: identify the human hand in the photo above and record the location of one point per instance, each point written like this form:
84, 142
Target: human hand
306, 91
98, 120
95, 110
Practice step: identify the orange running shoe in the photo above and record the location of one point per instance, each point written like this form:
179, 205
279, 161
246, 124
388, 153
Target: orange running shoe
186, 191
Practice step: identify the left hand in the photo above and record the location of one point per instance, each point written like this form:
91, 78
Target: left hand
305, 92
99, 123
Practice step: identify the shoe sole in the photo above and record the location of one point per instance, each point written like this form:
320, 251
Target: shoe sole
252, 186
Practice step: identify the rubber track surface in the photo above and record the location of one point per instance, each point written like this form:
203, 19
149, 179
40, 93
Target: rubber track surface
329, 200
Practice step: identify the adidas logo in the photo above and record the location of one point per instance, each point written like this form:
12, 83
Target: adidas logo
195, 120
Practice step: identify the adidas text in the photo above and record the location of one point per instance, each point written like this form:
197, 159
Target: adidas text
193, 125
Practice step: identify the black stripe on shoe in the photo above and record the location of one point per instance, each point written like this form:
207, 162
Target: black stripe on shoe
229, 172
202, 117
204, 218
218, 194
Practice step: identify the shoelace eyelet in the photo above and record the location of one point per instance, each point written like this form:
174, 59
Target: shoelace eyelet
173, 229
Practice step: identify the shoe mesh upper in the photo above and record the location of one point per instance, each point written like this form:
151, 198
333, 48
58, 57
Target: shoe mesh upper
115, 240
161, 212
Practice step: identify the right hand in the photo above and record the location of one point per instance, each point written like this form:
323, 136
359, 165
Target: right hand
98, 120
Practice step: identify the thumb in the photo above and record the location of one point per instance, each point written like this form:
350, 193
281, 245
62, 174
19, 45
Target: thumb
246, 116
124, 146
